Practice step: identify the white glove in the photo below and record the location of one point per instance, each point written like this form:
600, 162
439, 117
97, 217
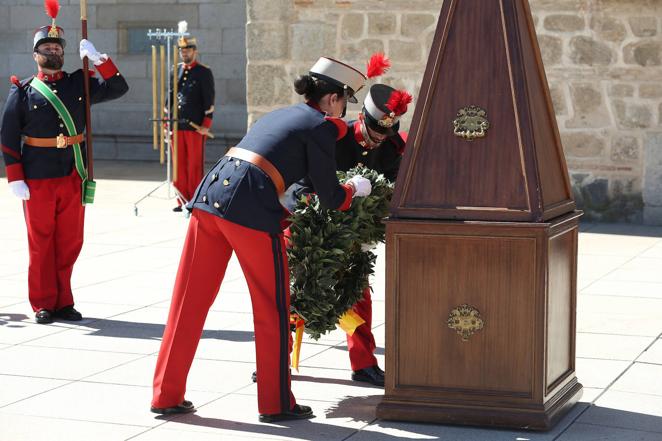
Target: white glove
88, 50
368, 246
20, 189
362, 186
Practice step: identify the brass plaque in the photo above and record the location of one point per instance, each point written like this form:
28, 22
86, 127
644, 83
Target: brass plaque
471, 123
465, 320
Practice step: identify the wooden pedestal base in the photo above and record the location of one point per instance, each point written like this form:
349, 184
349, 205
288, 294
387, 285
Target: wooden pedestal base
480, 322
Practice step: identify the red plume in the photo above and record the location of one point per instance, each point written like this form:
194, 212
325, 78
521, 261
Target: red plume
378, 64
52, 8
15, 81
397, 102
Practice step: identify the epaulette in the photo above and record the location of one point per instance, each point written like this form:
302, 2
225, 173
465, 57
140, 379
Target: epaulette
21, 84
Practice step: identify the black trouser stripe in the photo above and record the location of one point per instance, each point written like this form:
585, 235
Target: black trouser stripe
283, 323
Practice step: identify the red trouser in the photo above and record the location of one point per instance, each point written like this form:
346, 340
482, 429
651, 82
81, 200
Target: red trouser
190, 162
209, 243
55, 218
361, 344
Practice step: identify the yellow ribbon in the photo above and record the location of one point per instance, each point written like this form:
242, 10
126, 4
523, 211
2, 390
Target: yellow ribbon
299, 326
349, 321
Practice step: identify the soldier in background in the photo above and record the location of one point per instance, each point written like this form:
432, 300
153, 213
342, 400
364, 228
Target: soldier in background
38, 151
195, 100
373, 141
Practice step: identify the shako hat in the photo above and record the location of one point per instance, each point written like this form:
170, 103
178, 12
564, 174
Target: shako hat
185, 41
51, 33
383, 106
340, 74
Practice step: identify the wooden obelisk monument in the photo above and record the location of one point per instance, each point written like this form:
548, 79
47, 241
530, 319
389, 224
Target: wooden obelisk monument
481, 244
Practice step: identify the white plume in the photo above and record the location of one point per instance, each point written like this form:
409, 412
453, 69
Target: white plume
182, 27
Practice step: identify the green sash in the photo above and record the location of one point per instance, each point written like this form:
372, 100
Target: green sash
89, 187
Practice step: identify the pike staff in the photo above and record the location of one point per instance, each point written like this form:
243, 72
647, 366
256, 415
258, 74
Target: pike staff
86, 88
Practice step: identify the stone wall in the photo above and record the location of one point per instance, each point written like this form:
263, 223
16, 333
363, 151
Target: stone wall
121, 127
603, 60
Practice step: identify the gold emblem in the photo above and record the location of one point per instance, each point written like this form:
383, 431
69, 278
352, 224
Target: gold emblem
61, 141
387, 120
465, 320
53, 32
471, 123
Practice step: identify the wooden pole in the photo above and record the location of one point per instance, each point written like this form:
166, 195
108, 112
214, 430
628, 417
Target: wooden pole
175, 113
155, 105
162, 77
86, 86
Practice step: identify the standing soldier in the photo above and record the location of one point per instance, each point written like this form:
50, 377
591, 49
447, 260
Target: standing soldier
195, 100
39, 151
236, 209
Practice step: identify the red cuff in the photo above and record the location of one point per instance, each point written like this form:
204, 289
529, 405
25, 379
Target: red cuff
340, 124
107, 69
15, 172
348, 197
206, 122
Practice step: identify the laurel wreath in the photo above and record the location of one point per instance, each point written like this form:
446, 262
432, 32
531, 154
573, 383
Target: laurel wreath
328, 268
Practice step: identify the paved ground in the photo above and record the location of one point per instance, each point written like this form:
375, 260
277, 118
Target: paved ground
92, 381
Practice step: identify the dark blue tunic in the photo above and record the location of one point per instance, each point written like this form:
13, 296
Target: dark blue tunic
299, 142
27, 113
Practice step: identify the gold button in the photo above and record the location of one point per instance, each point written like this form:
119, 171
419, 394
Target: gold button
226, 182
117, 74
365, 153
360, 164
61, 125
35, 106
204, 198
80, 98
217, 205
214, 177
54, 90
184, 78
237, 163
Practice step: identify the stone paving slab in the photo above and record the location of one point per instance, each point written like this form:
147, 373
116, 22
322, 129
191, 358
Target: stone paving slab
92, 380
626, 410
653, 354
610, 346
32, 428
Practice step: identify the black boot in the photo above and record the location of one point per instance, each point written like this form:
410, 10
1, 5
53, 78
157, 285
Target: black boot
68, 313
43, 317
298, 412
373, 375
184, 407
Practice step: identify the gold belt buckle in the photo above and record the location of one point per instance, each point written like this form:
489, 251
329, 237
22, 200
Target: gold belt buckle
61, 141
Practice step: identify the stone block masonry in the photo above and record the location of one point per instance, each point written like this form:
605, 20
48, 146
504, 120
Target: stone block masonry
603, 60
